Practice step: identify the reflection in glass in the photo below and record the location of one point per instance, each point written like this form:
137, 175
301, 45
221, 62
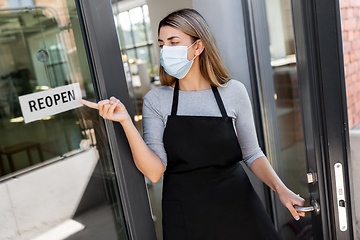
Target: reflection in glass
54, 172
292, 162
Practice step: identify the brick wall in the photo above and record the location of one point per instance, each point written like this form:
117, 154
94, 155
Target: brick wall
350, 24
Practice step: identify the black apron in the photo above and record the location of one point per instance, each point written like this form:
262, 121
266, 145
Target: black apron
206, 192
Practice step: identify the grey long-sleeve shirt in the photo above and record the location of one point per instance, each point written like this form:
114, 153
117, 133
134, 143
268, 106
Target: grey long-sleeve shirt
157, 107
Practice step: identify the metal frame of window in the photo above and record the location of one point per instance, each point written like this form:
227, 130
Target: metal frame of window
104, 57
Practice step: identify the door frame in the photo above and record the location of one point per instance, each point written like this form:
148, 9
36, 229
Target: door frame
319, 57
108, 76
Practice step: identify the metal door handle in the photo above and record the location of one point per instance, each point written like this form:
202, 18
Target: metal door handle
315, 207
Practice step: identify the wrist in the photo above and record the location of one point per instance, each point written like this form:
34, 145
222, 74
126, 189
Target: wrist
280, 188
126, 122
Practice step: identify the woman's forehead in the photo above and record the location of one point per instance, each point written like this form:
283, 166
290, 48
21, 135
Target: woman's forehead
168, 33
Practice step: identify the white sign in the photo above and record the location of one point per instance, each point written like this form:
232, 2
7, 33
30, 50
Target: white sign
50, 102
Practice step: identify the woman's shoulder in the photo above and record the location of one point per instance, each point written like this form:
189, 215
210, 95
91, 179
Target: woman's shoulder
157, 92
234, 86
158, 95
234, 94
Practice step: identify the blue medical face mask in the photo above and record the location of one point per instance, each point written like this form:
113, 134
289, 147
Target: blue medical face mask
174, 60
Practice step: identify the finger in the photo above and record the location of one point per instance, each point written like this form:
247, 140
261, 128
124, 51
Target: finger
88, 103
110, 111
301, 214
101, 105
103, 102
105, 110
113, 99
299, 202
113, 106
293, 211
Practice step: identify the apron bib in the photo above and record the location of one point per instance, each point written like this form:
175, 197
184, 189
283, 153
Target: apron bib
206, 192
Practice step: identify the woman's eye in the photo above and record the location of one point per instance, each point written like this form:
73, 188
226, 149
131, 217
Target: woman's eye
174, 43
160, 46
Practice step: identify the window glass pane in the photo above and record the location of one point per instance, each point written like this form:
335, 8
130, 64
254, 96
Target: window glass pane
131, 55
126, 29
138, 27
55, 170
155, 71
119, 30
143, 53
147, 22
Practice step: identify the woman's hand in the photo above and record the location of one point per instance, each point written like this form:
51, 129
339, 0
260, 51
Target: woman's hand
145, 159
111, 109
290, 199
264, 171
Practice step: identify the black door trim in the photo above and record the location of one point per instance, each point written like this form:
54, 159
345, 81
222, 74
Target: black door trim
253, 20
103, 51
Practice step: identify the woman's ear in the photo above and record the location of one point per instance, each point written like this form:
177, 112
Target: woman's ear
199, 47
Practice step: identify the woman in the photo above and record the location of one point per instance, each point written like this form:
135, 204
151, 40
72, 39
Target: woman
197, 127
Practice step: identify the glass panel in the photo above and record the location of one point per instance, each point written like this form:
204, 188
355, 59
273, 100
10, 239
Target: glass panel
131, 55
54, 172
119, 30
147, 21
137, 22
292, 163
126, 29
138, 71
155, 73
143, 54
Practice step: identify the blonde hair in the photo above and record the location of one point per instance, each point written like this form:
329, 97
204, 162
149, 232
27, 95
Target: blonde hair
193, 24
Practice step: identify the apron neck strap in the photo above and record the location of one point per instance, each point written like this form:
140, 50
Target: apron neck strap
216, 94
175, 98
219, 102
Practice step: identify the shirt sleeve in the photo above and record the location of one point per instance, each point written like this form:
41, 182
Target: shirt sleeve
153, 126
245, 128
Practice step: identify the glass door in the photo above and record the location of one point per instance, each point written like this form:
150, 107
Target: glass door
285, 143
306, 138
56, 174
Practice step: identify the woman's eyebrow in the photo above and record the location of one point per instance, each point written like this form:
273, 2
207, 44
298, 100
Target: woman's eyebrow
169, 38
172, 37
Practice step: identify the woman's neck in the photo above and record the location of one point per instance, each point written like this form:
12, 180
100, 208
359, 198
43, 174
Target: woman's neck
194, 81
